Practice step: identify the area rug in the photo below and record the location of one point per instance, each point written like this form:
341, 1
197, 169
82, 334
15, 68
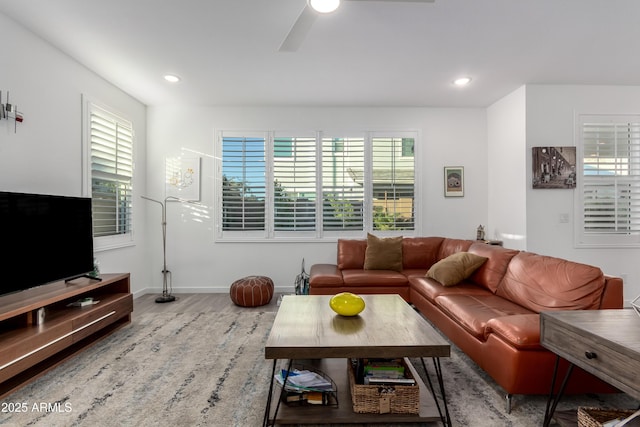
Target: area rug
191, 369
208, 369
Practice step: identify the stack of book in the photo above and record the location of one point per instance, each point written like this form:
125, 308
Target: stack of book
385, 372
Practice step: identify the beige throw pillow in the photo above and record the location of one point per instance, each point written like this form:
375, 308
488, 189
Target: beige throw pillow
455, 268
383, 253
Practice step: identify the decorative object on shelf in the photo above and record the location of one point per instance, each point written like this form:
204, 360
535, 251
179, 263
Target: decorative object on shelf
555, 167
10, 112
347, 304
166, 274
183, 178
302, 282
480, 233
95, 273
453, 181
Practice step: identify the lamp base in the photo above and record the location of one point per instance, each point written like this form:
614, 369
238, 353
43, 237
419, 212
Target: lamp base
165, 298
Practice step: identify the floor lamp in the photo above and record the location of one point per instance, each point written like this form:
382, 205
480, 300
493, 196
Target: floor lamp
166, 274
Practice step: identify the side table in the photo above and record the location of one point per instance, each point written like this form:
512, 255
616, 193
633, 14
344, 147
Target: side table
605, 343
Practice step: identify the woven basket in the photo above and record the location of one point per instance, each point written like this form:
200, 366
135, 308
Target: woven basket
371, 399
596, 417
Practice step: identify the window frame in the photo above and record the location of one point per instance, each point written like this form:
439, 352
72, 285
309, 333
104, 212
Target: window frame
101, 243
583, 238
269, 234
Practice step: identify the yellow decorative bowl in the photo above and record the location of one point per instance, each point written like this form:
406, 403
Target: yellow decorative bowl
347, 304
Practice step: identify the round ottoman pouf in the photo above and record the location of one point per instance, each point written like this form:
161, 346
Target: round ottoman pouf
252, 291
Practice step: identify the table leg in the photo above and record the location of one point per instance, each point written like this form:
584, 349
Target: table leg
444, 417
551, 407
267, 410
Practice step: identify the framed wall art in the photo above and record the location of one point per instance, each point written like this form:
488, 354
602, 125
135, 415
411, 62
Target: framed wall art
183, 178
553, 167
453, 181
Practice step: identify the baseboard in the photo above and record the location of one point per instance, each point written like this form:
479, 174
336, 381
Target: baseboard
207, 290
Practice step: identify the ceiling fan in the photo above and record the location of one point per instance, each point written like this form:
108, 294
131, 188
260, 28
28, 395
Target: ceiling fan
310, 13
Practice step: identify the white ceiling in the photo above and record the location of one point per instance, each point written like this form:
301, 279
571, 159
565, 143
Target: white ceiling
365, 54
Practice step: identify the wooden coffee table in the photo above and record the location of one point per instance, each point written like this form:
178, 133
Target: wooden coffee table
306, 328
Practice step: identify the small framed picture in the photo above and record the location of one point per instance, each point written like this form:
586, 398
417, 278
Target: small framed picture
453, 181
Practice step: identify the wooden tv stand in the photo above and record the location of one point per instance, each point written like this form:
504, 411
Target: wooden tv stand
29, 347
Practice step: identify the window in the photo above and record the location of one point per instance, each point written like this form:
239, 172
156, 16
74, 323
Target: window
393, 183
294, 178
109, 143
279, 185
609, 188
243, 183
343, 184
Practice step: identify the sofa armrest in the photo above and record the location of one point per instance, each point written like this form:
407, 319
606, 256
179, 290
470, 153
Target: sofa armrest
325, 274
612, 294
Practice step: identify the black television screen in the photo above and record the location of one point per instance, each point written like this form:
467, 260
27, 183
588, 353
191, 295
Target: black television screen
46, 238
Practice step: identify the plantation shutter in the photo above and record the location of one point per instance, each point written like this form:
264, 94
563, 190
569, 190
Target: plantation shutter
294, 176
111, 140
243, 183
343, 184
393, 180
610, 179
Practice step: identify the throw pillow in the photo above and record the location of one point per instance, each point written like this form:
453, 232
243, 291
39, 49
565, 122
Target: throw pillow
383, 253
455, 268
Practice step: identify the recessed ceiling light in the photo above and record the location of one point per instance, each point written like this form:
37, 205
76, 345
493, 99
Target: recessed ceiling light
462, 81
172, 78
324, 6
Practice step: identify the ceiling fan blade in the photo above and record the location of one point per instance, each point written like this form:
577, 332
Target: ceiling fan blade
299, 31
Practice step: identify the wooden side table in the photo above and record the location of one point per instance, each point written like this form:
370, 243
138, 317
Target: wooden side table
605, 343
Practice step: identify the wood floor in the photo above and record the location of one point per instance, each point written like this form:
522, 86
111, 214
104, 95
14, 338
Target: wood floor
195, 303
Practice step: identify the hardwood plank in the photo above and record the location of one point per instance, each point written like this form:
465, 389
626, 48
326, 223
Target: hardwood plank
195, 303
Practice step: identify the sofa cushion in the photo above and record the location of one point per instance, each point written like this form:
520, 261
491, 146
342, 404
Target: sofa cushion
430, 289
383, 253
473, 312
351, 253
455, 268
491, 272
520, 330
451, 246
540, 282
420, 252
325, 275
373, 277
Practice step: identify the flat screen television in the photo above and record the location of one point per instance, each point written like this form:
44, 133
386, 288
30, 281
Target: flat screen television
45, 238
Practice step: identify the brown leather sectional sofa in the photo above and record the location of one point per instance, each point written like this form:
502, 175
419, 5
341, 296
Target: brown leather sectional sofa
493, 315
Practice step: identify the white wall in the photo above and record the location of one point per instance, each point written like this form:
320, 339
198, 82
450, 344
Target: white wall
44, 155
506, 133
550, 122
448, 137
